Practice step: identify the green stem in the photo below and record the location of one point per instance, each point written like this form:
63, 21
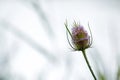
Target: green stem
84, 54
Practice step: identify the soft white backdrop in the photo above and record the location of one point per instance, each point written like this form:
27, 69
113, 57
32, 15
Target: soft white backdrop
33, 38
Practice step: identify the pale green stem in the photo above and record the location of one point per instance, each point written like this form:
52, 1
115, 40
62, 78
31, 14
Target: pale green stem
84, 54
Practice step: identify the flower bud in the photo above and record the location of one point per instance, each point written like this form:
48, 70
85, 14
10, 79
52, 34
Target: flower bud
80, 37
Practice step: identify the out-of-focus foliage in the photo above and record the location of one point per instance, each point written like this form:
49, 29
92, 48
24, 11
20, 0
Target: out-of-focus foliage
118, 74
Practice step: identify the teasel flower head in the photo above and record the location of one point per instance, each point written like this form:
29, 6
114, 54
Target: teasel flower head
80, 38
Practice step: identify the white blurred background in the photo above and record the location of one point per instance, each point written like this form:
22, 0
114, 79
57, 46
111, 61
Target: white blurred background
33, 43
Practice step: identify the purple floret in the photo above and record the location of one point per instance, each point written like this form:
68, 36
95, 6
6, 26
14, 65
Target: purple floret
80, 37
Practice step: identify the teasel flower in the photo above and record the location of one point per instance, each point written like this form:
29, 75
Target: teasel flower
80, 41
79, 37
